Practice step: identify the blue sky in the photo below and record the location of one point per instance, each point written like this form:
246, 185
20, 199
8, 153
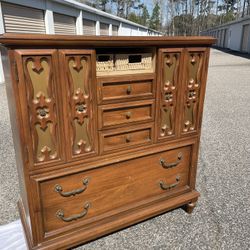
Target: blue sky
149, 4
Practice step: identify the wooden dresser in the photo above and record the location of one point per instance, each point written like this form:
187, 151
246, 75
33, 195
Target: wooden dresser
106, 130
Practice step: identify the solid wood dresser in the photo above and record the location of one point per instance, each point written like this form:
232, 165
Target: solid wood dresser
106, 130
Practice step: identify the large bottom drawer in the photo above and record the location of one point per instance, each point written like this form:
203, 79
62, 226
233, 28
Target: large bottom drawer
85, 197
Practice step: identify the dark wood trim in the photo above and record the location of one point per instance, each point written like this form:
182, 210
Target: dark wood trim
103, 41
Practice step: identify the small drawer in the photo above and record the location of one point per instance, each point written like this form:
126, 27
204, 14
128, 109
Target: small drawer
82, 198
117, 89
117, 139
115, 115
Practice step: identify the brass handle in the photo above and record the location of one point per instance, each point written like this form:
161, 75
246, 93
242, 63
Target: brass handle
60, 214
128, 115
129, 90
59, 189
171, 165
164, 186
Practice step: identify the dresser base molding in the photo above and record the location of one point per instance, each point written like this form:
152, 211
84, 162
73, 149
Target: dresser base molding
113, 224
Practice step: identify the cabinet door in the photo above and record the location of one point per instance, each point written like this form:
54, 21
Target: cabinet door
195, 70
78, 75
169, 83
40, 104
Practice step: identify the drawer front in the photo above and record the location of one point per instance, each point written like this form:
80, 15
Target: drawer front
125, 138
124, 114
125, 90
88, 196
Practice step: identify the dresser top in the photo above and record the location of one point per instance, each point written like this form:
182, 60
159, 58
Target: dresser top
95, 41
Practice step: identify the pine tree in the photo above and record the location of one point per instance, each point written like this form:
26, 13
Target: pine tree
145, 16
154, 22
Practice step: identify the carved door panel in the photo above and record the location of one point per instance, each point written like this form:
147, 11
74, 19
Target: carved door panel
169, 84
39, 102
78, 75
196, 60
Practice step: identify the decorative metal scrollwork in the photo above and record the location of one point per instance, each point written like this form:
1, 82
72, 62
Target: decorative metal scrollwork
168, 90
59, 189
164, 186
194, 78
60, 214
164, 164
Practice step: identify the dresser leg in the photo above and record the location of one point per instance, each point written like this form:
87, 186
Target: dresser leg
189, 207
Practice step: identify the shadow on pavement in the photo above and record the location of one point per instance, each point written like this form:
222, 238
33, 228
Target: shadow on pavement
233, 52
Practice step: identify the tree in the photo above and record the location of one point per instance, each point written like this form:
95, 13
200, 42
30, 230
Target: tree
144, 19
154, 22
246, 8
102, 4
130, 4
124, 7
133, 17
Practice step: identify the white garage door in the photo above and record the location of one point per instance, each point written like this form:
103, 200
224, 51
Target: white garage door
65, 25
115, 30
245, 38
19, 19
89, 27
104, 29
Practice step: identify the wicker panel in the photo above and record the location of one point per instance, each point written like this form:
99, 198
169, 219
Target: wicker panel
105, 63
140, 62
115, 63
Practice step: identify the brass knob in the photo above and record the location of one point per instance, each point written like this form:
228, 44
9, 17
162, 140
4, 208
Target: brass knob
128, 115
129, 90
128, 138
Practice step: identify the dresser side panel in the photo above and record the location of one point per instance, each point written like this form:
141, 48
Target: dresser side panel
16, 126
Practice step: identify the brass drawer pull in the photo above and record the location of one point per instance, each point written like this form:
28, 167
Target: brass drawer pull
59, 189
60, 214
164, 186
128, 115
171, 165
129, 90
